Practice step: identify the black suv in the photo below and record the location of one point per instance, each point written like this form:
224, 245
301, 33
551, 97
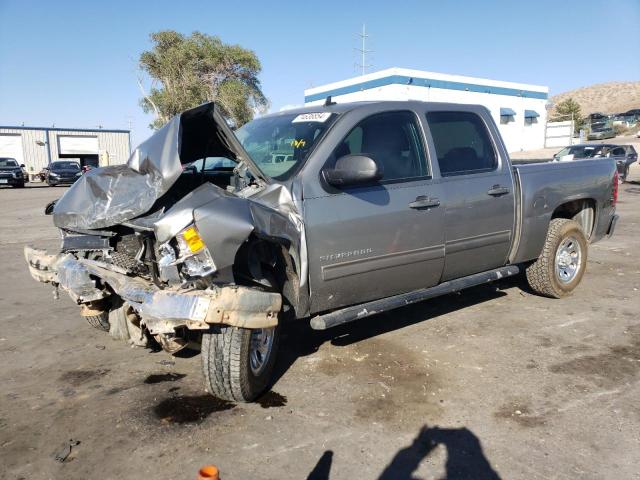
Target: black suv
12, 173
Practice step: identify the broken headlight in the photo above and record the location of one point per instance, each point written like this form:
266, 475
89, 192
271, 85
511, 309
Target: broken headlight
192, 255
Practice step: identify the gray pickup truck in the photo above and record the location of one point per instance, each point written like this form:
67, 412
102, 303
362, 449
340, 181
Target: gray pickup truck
210, 239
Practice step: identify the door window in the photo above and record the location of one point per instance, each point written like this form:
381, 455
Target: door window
462, 143
619, 152
393, 140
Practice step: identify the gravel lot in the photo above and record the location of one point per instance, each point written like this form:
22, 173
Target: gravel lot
493, 383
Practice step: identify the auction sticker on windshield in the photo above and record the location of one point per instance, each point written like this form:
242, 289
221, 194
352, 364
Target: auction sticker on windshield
312, 117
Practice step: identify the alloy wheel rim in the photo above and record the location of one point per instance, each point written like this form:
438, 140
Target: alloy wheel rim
568, 259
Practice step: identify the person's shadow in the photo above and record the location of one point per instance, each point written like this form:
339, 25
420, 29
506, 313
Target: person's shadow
465, 458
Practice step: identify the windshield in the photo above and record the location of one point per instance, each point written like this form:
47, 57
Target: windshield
65, 166
279, 145
581, 152
8, 162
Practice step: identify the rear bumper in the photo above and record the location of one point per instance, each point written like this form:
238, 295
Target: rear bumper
161, 310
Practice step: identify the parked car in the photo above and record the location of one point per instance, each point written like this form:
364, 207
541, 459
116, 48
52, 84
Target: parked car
601, 132
63, 172
630, 157
384, 204
12, 173
623, 155
583, 151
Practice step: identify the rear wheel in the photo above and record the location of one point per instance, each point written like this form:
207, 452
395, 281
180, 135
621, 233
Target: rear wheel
561, 265
238, 362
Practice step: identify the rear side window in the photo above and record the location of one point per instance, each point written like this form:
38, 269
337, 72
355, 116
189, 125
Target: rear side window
462, 143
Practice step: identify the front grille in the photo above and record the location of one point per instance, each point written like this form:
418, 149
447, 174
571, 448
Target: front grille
127, 247
123, 260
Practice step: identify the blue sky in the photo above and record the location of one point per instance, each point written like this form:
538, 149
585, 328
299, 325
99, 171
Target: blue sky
73, 63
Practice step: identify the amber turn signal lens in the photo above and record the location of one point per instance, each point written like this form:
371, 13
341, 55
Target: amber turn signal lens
193, 240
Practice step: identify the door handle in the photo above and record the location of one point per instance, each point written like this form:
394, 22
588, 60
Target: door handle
424, 201
498, 190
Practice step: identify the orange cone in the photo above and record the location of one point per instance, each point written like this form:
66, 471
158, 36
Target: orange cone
209, 472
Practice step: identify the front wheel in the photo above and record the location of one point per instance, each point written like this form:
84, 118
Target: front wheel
238, 362
561, 265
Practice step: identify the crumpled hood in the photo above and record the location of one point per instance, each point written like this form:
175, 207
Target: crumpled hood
107, 196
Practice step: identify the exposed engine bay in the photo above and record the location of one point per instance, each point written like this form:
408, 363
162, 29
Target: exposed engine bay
180, 245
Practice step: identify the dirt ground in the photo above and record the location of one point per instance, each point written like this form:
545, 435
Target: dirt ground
492, 383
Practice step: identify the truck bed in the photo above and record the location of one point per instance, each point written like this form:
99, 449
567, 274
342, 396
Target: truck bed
543, 186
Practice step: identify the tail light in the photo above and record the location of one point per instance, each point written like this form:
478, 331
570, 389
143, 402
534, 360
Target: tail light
614, 193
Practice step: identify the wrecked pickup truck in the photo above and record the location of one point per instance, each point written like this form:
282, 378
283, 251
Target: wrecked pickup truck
210, 239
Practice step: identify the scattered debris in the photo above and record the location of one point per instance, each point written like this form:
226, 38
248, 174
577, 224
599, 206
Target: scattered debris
100, 347
65, 450
166, 363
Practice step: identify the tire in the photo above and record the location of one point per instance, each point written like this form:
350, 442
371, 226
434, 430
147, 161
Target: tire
121, 326
227, 363
554, 276
101, 322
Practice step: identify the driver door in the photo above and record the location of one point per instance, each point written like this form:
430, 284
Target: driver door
372, 241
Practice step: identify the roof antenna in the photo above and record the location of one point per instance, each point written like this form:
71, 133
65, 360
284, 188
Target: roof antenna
328, 102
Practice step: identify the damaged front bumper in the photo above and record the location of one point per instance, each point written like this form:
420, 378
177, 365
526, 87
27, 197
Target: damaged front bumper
161, 311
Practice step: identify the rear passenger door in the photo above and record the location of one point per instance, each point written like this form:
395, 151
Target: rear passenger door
479, 205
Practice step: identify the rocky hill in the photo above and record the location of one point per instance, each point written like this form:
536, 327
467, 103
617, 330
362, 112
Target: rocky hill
612, 97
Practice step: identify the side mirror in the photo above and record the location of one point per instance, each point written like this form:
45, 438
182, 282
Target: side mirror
353, 169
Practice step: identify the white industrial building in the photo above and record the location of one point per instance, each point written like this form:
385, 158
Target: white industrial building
36, 147
518, 109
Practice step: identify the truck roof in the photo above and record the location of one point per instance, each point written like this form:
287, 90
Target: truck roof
348, 106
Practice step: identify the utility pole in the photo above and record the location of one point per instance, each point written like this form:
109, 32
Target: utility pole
363, 50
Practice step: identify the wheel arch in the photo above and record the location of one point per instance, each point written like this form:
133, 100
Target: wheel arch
267, 262
582, 211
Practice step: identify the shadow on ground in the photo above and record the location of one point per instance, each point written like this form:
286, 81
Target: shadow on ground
300, 340
465, 457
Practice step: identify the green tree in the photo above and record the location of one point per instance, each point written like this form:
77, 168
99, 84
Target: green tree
568, 109
186, 71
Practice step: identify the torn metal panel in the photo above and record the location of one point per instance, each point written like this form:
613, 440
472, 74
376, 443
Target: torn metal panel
162, 311
107, 196
42, 266
111, 195
282, 219
74, 277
